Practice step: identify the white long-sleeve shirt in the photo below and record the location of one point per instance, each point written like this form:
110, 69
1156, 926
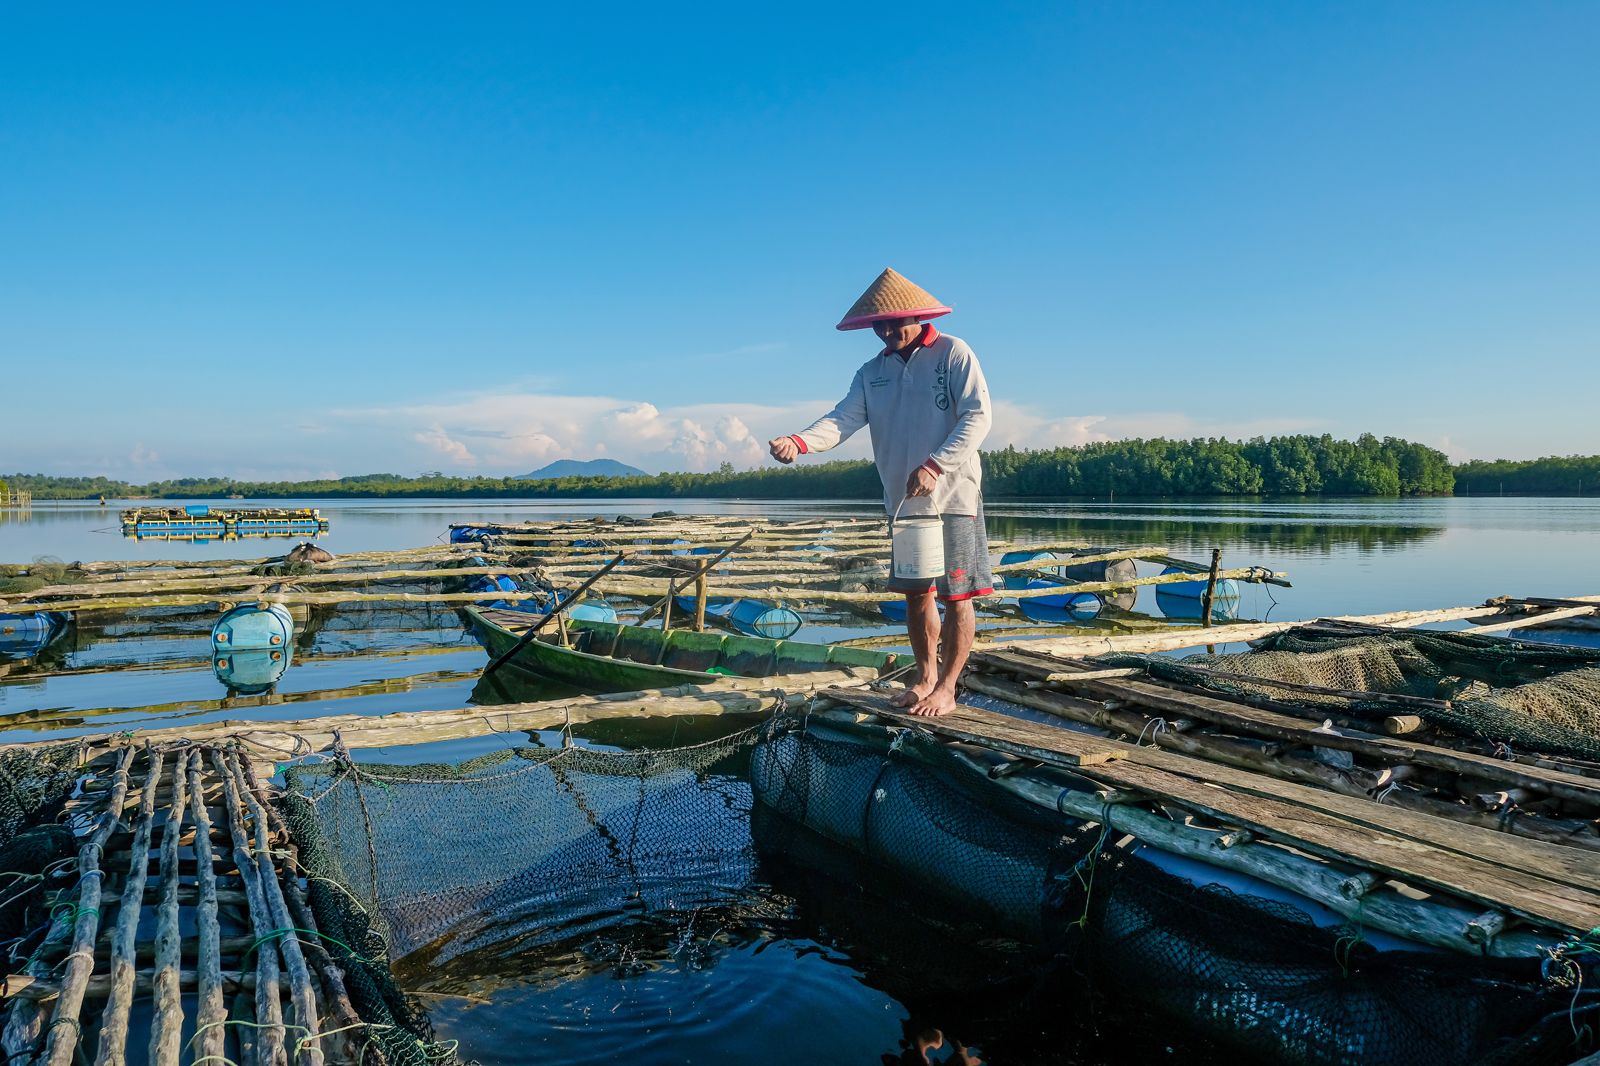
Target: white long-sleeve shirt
932, 406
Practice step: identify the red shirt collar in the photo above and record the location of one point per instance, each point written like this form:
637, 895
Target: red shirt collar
928, 336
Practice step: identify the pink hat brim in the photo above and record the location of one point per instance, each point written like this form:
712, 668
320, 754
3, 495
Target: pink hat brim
863, 321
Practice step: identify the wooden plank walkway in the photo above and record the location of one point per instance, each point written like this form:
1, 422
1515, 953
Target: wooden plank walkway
179, 837
1258, 721
1542, 883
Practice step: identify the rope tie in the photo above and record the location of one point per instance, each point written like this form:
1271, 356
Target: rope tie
1156, 726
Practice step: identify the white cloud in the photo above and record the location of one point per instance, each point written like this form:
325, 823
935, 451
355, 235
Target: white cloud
438, 440
511, 432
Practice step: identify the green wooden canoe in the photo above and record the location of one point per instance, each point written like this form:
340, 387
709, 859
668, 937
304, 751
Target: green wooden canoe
608, 657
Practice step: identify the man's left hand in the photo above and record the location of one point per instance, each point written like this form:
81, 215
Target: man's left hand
921, 482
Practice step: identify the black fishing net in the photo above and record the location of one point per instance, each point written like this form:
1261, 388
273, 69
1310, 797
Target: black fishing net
1287, 990
899, 802
426, 865
1247, 969
1531, 697
34, 848
34, 781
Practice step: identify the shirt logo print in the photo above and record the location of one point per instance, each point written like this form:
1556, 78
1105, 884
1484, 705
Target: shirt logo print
941, 392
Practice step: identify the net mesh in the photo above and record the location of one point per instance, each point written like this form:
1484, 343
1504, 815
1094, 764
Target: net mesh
1291, 991
534, 846
1543, 697
34, 782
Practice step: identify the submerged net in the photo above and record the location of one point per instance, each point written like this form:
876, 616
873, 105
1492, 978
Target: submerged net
433, 862
1536, 697
1291, 991
535, 848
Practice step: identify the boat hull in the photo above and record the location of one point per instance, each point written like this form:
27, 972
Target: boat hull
616, 658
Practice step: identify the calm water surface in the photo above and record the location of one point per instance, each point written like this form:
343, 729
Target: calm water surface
1344, 555
800, 965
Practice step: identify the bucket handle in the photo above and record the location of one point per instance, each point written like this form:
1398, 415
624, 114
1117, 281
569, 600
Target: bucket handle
896, 516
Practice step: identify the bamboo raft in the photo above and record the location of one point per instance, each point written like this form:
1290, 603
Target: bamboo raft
263, 981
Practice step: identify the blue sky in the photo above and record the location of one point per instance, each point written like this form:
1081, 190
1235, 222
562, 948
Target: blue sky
295, 241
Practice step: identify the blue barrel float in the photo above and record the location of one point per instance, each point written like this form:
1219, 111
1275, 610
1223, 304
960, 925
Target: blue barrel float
1066, 607
895, 610
22, 635
758, 619
1182, 599
489, 584
1018, 579
250, 646
595, 610
685, 604
250, 673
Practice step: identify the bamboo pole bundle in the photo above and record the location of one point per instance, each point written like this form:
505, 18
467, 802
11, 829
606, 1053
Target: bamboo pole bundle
664, 528
269, 1011
388, 555
114, 1018
616, 587
166, 1033
301, 995
211, 1011
727, 696
257, 581
345, 1018
624, 587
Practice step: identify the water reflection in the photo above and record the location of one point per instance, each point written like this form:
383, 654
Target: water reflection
1238, 530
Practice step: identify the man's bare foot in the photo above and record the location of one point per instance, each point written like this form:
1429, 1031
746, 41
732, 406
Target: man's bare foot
937, 702
913, 694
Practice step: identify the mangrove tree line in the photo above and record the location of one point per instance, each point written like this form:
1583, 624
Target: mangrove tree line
1292, 465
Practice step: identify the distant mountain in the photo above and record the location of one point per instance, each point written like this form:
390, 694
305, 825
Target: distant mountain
583, 468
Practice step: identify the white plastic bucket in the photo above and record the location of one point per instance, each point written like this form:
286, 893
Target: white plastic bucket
916, 546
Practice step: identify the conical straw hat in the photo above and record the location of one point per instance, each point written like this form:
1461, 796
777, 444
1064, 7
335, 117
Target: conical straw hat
892, 296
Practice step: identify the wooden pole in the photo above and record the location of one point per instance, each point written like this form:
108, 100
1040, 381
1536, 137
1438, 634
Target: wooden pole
210, 1035
166, 1031
555, 611
1211, 587
705, 568
269, 1008
113, 1043
63, 1038
700, 603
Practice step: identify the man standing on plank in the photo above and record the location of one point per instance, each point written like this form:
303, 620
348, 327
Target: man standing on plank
927, 406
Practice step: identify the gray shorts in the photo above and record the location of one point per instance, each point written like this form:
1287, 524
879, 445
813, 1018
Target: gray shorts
966, 562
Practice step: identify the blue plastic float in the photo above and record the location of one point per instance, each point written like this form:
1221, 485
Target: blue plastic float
895, 610
253, 627
22, 635
758, 619
249, 673
1069, 606
1182, 599
1018, 579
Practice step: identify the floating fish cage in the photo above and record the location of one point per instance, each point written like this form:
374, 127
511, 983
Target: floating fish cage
203, 521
